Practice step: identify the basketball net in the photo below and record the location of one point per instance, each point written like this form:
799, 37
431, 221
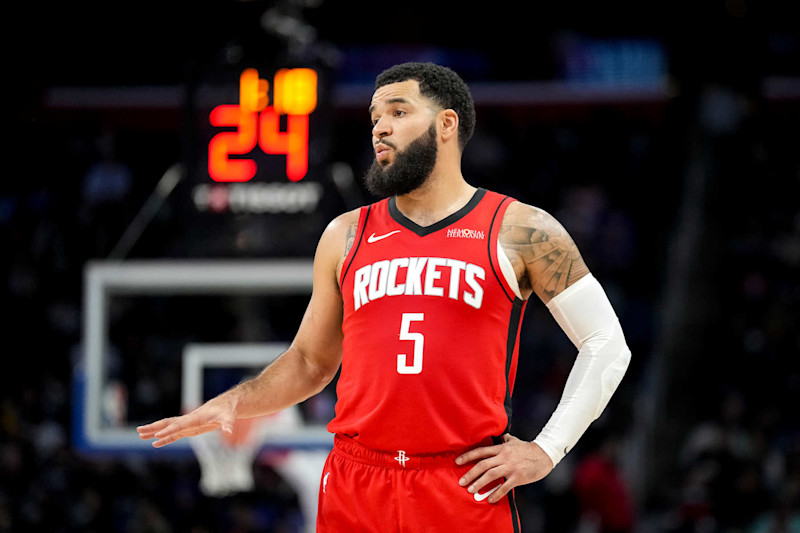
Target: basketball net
226, 461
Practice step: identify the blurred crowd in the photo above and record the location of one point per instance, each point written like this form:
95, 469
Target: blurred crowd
612, 180
739, 463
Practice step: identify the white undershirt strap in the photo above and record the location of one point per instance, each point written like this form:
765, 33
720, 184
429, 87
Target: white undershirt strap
508, 270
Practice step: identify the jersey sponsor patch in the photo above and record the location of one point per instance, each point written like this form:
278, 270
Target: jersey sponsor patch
418, 276
464, 233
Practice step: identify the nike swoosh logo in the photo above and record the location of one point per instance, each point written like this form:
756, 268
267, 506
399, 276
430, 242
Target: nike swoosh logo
372, 238
480, 497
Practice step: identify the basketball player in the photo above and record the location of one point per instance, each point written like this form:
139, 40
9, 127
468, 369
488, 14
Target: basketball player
419, 298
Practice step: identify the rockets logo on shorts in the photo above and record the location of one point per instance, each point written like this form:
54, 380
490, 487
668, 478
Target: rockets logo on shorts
401, 458
416, 276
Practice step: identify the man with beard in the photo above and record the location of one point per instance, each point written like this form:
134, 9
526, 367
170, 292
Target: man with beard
419, 297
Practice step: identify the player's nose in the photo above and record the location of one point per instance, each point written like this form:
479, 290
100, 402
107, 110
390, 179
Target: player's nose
381, 129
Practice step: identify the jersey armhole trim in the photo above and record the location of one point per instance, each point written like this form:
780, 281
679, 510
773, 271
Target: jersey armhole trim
494, 245
507, 269
351, 255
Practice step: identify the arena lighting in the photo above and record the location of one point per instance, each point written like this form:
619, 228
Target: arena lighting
294, 94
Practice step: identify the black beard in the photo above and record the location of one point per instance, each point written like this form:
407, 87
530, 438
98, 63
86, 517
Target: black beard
410, 169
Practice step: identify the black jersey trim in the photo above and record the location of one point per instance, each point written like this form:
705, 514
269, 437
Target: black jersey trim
357, 244
511, 343
512, 503
422, 231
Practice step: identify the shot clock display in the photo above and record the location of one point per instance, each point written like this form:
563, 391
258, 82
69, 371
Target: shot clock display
257, 123
258, 149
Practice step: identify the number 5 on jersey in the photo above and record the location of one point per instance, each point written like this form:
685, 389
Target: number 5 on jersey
419, 342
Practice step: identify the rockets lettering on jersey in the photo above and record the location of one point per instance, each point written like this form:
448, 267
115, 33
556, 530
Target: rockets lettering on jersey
430, 330
416, 276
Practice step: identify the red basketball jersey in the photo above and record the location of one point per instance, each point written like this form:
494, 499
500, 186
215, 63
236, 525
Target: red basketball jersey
431, 330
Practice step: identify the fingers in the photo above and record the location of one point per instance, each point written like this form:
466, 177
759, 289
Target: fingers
149, 430
482, 474
169, 430
172, 434
519, 462
502, 490
485, 474
478, 453
477, 476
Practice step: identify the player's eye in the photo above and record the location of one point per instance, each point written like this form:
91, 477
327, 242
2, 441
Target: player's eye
396, 113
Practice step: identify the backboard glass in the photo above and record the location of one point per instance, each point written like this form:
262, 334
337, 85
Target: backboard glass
105, 380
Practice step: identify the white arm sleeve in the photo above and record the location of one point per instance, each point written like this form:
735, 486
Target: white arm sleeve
585, 314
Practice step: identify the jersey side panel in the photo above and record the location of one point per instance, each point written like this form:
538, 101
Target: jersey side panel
517, 311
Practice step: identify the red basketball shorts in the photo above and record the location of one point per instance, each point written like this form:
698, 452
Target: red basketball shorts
364, 490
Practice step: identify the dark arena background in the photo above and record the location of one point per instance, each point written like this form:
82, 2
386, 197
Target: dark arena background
665, 136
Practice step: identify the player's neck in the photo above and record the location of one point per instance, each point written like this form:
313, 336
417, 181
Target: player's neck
440, 196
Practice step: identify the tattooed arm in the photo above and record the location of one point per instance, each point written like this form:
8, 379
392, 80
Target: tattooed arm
544, 256
350, 221
547, 262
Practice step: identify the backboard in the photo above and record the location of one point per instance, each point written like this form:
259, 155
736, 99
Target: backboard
195, 357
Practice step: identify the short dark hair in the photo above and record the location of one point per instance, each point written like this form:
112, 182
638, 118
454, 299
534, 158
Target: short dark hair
443, 86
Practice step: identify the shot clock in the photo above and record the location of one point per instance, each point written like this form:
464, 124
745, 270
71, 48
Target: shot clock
260, 161
257, 124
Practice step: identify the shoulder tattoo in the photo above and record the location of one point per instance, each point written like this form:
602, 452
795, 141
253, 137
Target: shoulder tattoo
350, 238
544, 255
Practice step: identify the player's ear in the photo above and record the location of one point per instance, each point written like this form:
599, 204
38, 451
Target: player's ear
448, 124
